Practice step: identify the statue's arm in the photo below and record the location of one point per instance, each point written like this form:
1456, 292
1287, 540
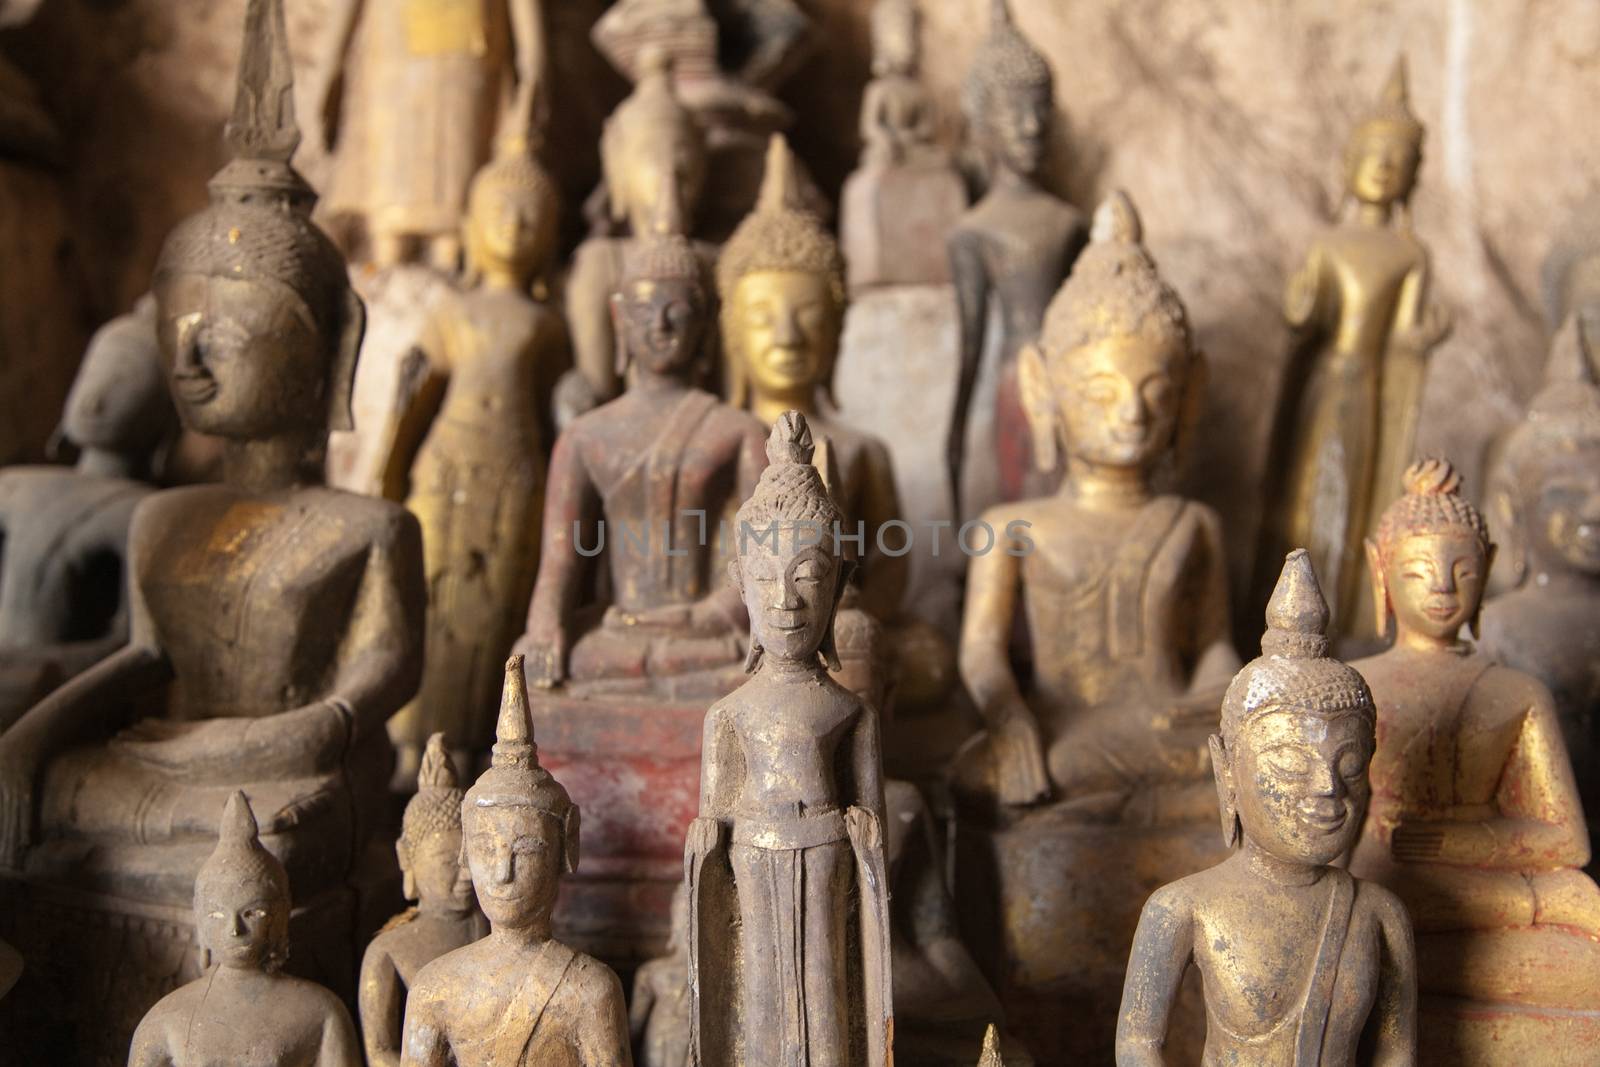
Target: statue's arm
423, 1043
149, 1047
1542, 823
605, 1025
382, 1006
884, 576
1306, 298
1163, 946
971, 278
554, 358
419, 394
380, 665
718, 774
866, 757
644, 1001
1419, 322
1394, 1014
594, 350
527, 32
571, 512
1216, 661
340, 1047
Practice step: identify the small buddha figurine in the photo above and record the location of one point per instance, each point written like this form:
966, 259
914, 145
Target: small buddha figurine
1475, 820
897, 115
446, 916
516, 996
1124, 588
244, 1010
1364, 325
658, 1016
411, 98
1549, 489
275, 624
470, 440
1014, 246
64, 530
642, 481
1302, 963
787, 850
650, 143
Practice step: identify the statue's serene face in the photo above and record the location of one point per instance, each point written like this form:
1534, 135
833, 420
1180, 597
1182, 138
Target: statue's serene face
118, 398
1382, 168
245, 357
1435, 581
788, 324
239, 921
663, 323
437, 872
1019, 123
1566, 514
1119, 398
515, 855
789, 588
507, 232
1300, 780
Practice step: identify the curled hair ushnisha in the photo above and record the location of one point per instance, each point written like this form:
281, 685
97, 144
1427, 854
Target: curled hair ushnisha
1006, 62
1392, 111
1564, 416
791, 490
436, 808
780, 235
1432, 503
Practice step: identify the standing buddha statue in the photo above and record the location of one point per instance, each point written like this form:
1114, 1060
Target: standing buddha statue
413, 95
1364, 325
1475, 821
1013, 247
518, 996
446, 916
467, 455
1278, 914
64, 530
787, 851
276, 624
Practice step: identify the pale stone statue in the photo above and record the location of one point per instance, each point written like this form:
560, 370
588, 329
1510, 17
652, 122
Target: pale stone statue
411, 98
1364, 325
518, 996
446, 916
1549, 491
1013, 247
787, 851
659, 1011
1475, 820
245, 1011
1335, 952
467, 455
275, 624
1569, 277
64, 530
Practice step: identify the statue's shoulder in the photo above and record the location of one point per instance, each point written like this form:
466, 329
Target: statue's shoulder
439, 979
1504, 692
380, 521
1379, 902
591, 982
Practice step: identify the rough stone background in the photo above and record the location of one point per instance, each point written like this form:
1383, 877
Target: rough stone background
1225, 121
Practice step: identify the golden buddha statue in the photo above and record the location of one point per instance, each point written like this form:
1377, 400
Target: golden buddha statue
1364, 325
1548, 488
276, 625
1123, 591
1291, 770
245, 1011
64, 530
468, 451
411, 98
787, 851
1014, 247
446, 916
518, 996
650, 143
1475, 820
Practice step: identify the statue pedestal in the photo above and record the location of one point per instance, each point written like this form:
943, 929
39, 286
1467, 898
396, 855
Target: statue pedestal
632, 765
1054, 904
1466, 1033
893, 221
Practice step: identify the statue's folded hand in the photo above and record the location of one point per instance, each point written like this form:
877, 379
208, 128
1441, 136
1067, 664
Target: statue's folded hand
704, 837
544, 657
1020, 775
230, 751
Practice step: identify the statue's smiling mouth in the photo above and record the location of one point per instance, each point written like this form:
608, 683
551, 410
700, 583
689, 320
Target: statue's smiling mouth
1323, 817
1441, 610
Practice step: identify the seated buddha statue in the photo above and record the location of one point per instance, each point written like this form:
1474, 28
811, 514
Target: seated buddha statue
1475, 821
64, 530
275, 624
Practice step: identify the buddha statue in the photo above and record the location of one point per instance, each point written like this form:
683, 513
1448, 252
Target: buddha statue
650, 145
1475, 821
276, 625
632, 630
1363, 328
467, 455
1013, 247
518, 995
244, 1010
1569, 277
658, 1013
64, 530
1094, 760
786, 853
411, 98
1278, 914
906, 196
1548, 488
446, 916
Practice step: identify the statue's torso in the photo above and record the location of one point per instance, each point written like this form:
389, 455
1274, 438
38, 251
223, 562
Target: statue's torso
272, 1022
1027, 241
1366, 268
1554, 639
792, 738
492, 344
425, 938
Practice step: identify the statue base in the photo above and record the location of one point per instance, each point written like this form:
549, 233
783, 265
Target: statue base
1051, 905
1468, 1033
632, 765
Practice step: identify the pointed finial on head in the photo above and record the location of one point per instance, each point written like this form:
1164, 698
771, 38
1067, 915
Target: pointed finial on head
668, 220
1117, 220
513, 732
999, 14
263, 123
990, 1056
1395, 90
1297, 614
1571, 360
780, 184
238, 822
790, 440
437, 770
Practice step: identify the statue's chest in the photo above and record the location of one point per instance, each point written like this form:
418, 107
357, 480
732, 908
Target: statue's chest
1370, 265
215, 1039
